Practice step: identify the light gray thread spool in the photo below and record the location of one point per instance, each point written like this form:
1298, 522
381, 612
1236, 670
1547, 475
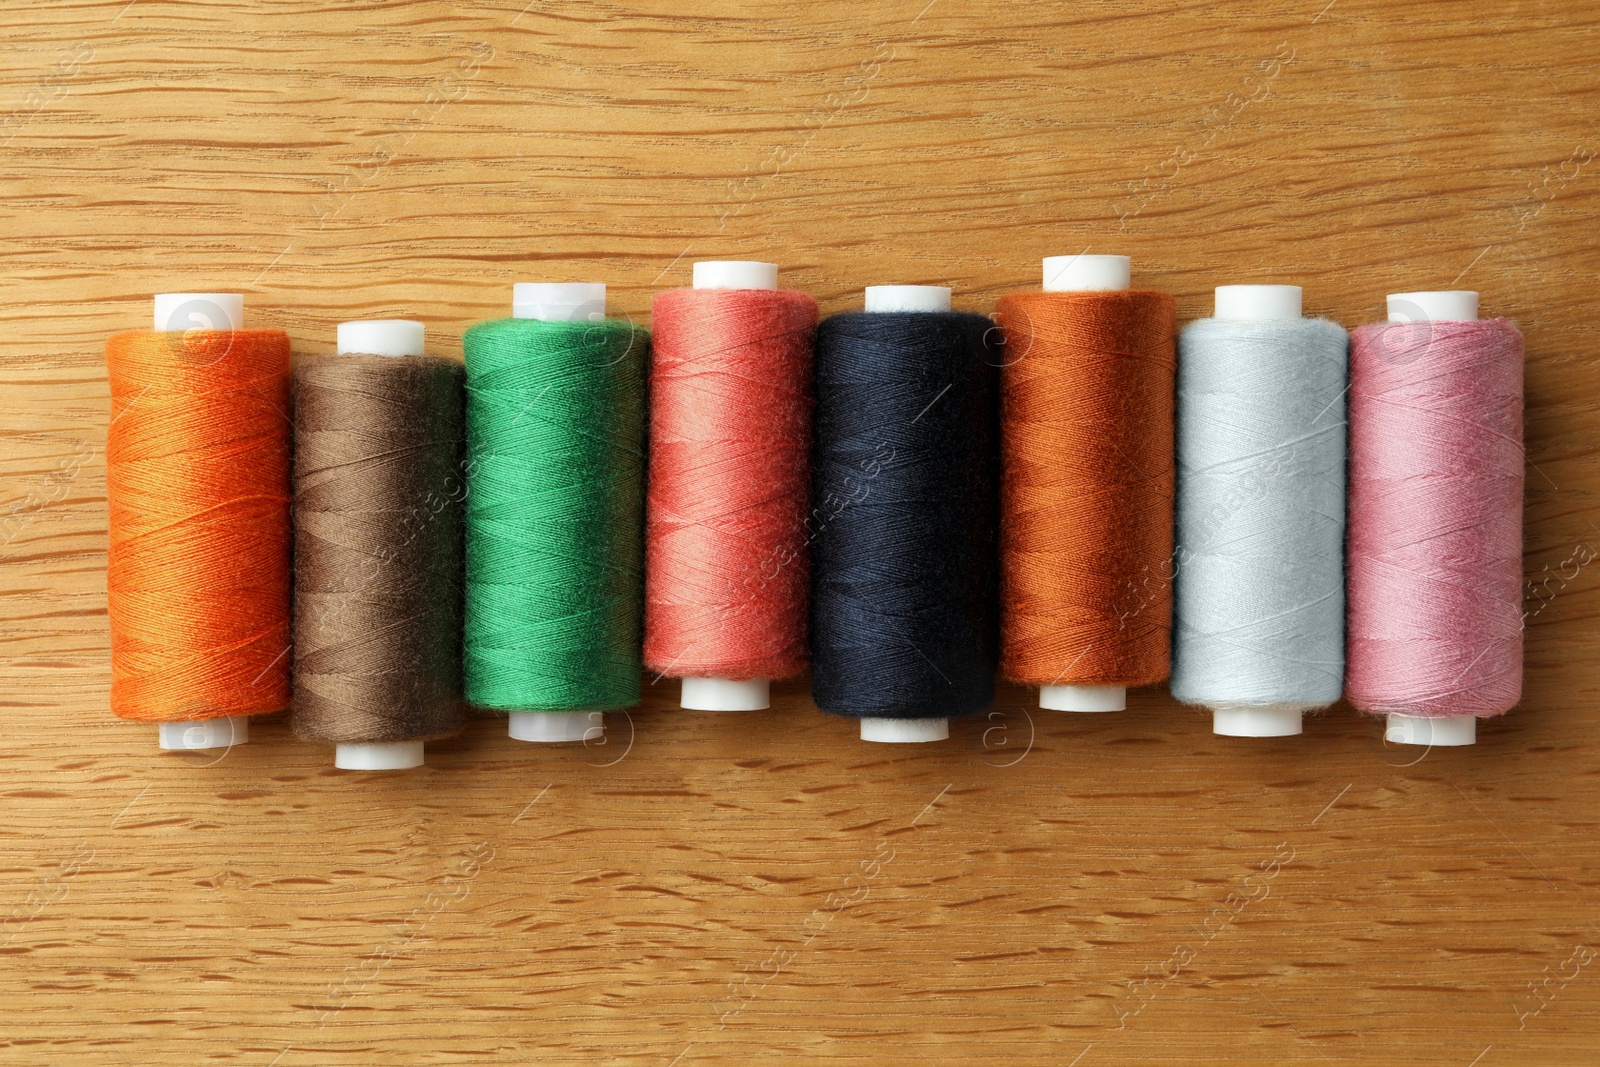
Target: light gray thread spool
1258, 597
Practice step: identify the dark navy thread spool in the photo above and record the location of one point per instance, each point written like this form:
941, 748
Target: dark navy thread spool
904, 606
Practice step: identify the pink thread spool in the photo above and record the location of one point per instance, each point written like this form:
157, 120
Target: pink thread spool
1435, 526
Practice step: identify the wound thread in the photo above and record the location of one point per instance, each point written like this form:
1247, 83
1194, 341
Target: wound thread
728, 572
1436, 481
555, 431
1086, 486
197, 569
378, 490
904, 522
1258, 593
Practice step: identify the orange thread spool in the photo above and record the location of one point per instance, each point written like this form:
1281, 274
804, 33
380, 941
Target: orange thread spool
197, 475
1087, 400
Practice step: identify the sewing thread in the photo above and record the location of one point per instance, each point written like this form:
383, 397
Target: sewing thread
1086, 486
197, 569
555, 432
904, 525
378, 492
1258, 591
728, 573
1436, 480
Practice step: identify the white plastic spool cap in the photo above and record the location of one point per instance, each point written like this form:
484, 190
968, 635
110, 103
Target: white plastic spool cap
176, 312
1085, 274
207, 733
1257, 720
1450, 731
1257, 303
381, 337
1454, 305
557, 726
907, 298
904, 731
559, 301
1457, 305
724, 694
378, 756
735, 274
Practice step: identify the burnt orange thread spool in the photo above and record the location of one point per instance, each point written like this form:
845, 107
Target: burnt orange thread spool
197, 475
1087, 394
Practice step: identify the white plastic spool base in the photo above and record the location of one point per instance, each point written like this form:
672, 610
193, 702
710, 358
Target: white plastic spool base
724, 694
883, 298
1256, 720
735, 274
1257, 303
176, 312
1087, 274
382, 337
1451, 731
207, 733
556, 726
1450, 305
378, 755
905, 731
1083, 698
559, 301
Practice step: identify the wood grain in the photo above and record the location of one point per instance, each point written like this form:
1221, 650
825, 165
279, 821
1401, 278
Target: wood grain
1043, 889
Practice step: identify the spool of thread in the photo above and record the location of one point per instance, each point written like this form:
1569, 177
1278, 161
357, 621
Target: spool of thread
378, 489
1258, 585
197, 475
1086, 484
1436, 473
727, 563
555, 432
904, 516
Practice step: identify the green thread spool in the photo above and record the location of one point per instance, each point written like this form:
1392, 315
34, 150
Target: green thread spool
555, 512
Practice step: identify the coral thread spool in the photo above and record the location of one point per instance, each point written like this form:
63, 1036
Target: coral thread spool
1258, 596
199, 609
727, 575
1086, 484
378, 555
903, 622
1436, 480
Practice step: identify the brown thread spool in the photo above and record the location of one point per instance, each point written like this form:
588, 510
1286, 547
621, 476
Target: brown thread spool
379, 436
1087, 395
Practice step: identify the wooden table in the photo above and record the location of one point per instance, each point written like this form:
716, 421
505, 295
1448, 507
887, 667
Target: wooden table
1042, 889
